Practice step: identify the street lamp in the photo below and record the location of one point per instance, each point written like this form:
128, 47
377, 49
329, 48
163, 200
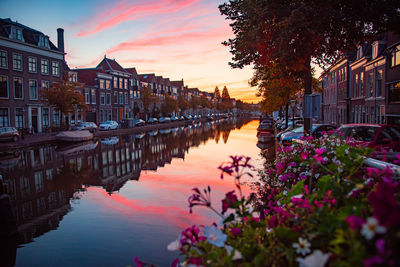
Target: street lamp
293, 105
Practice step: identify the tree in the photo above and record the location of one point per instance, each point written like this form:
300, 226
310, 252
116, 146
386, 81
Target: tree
217, 94
183, 103
203, 101
169, 106
225, 94
292, 34
194, 102
65, 97
147, 99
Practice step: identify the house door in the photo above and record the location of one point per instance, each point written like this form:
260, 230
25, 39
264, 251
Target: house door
34, 118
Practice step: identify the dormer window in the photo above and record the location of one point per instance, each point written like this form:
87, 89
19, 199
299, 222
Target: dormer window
375, 46
16, 33
359, 52
44, 41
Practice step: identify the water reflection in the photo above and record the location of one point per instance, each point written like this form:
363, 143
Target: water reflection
41, 181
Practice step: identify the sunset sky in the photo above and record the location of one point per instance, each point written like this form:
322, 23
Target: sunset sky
176, 39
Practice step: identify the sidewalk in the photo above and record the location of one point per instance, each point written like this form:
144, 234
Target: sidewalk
28, 140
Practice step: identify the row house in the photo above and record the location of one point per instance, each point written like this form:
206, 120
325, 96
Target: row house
29, 62
361, 88
108, 91
177, 88
134, 93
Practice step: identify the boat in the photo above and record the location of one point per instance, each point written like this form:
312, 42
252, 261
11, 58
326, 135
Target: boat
74, 136
265, 136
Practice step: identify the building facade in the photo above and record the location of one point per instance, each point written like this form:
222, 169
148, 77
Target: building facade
29, 62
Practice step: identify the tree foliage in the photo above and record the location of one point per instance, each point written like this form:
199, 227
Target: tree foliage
147, 99
217, 93
279, 36
65, 97
183, 103
225, 93
169, 106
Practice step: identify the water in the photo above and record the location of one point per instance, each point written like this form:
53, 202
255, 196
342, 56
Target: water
101, 204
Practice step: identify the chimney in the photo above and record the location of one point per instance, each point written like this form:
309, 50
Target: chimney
60, 39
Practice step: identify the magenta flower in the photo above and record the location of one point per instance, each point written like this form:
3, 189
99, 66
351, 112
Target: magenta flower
229, 201
138, 262
355, 222
236, 231
304, 155
200, 199
384, 204
320, 151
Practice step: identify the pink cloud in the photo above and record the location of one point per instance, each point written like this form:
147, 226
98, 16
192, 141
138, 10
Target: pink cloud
178, 39
123, 12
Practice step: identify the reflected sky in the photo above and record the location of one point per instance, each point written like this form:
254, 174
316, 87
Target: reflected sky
143, 216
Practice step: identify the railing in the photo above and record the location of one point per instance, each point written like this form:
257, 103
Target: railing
370, 162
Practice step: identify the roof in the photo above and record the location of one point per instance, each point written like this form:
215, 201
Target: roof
87, 76
31, 36
132, 71
111, 65
149, 78
177, 83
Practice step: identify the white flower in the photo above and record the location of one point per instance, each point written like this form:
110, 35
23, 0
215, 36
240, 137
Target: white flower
303, 247
297, 196
316, 259
174, 245
346, 151
236, 254
371, 227
284, 192
316, 175
339, 169
215, 236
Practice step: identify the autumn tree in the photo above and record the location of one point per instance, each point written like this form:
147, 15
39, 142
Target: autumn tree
194, 102
292, 34
203, 102
169, 106
183, 104
65, 97
147, 99
225, 93
217, 94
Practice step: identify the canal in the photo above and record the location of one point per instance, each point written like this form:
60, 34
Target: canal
103, 203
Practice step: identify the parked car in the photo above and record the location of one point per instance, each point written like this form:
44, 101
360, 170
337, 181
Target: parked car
90, 126
379, 136
152, 120
9, 134
288, 129
189, 117
265, 136
164, 120
174, 118
316, 131
108, 125
181, 118
139, 122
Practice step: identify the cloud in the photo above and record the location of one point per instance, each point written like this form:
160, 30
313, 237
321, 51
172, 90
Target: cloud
174, 40
123, 11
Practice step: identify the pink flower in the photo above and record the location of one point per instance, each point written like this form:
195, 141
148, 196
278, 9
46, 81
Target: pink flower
355, 222
236, 231
320, 151
304, 155
384, 204
229, 201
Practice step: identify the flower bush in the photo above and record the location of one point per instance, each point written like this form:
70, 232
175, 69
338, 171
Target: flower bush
318, 206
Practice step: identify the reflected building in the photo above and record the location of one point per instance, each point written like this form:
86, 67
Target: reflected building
41, 181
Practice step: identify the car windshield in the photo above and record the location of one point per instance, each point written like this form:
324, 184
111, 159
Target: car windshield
359, 133
301, 129
107, 122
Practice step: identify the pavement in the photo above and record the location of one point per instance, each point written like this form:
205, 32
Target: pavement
43, 138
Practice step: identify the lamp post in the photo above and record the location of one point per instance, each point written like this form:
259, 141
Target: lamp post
293, 105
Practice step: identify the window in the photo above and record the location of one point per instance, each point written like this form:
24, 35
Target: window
3, 87
101, 84
115, 97
33, 90
87, 98
19, 118
102, 99
108, 99
121, 97
18, 34
45, 66
56, 68
46, 117
370, 84
361, 84
394, 92
378, 83
395, 57
355, 86
115, 79
32, 64
44, 41
375, 50
4, 122
121, 81
3, 59
126, 84
39, 181
56, 117
359, 52
126, 98
93, 96
18, 88
45, 85
17, 61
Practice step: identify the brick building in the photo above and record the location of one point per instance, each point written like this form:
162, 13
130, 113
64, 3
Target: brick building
29, 61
